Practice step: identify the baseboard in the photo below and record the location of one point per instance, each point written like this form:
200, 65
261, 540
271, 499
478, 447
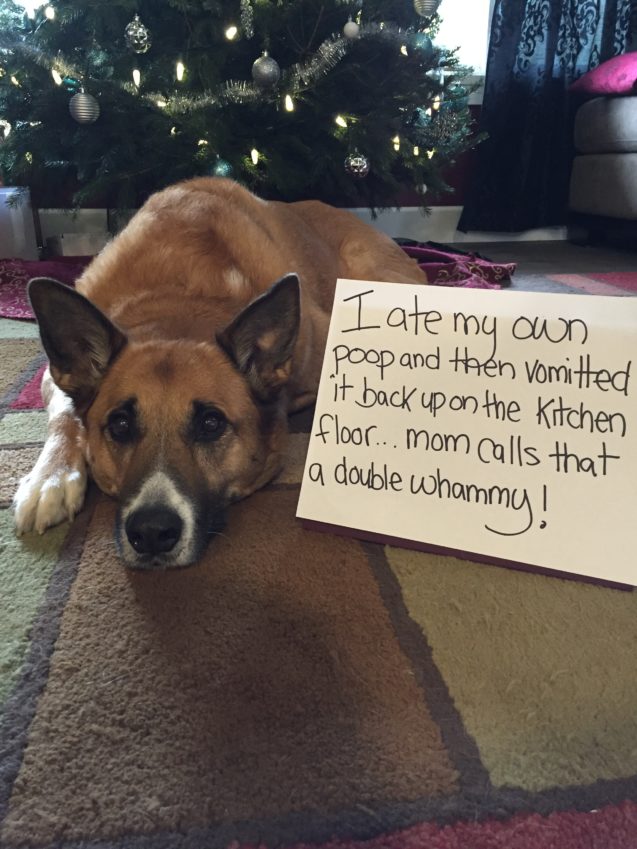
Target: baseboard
439, 225
55, 222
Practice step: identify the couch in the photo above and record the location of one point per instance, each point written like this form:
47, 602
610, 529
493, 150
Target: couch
603, 186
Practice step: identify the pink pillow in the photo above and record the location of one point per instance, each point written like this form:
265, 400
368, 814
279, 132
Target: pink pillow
616, 76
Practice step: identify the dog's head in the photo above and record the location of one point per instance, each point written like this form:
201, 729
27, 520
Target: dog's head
176, 429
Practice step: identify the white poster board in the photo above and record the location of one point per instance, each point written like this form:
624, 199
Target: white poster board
495, 423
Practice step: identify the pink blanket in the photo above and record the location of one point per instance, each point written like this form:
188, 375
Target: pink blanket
16, 273
446, 268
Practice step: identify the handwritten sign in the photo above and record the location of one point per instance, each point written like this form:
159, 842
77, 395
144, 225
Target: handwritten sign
497, 423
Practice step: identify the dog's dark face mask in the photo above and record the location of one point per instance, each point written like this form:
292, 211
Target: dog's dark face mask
175, 429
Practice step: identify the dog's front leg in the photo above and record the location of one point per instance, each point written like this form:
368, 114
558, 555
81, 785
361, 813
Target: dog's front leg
53, 491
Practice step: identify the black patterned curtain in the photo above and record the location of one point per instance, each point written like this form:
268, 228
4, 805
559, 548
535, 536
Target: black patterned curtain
537, 48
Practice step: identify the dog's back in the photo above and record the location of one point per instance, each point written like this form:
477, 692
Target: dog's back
210, 239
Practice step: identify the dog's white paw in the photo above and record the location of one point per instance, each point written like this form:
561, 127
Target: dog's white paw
51, 493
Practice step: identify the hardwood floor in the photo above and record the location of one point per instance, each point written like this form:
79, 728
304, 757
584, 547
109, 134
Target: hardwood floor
557, 257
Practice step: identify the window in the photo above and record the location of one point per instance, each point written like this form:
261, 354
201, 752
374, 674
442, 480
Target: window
466, 24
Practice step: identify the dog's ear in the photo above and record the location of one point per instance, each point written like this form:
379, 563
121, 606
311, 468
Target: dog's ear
80, 341
261, 339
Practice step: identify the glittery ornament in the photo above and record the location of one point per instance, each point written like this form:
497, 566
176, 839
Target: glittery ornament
247, 18
357, 165
137, 36
84, 108
266, 71
221, 168
351, 30
448, 123
426, 8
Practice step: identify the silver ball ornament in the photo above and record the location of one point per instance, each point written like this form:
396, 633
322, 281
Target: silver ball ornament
357, 165
266, 71
426, 8
137, 36
351, 30
84, 108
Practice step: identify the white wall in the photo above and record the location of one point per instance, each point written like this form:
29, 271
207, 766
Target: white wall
440, 226
466, 24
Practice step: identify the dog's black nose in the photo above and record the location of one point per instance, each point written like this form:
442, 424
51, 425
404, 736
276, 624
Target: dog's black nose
153, 530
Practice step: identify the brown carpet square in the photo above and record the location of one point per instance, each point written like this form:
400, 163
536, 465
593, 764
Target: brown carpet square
266, 680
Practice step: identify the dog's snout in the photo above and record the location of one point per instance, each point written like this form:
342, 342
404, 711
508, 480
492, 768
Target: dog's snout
154, 530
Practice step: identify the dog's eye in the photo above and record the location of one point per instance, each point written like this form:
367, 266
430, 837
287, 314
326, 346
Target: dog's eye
209, 425
120, 426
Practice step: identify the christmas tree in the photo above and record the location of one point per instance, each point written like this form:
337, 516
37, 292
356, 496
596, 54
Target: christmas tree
343, 102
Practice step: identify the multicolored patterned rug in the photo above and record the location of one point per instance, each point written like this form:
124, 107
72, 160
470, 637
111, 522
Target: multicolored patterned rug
298, 689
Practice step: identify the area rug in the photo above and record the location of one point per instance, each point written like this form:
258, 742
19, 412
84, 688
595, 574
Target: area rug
622, 282
617, 283
298, 689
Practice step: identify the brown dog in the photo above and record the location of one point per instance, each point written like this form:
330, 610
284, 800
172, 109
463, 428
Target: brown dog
174, 364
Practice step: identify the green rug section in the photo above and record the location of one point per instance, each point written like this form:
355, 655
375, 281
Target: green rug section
542, 670
27, 564
10, 329
23, 427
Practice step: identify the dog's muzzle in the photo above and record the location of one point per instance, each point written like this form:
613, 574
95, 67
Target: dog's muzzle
160, 527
